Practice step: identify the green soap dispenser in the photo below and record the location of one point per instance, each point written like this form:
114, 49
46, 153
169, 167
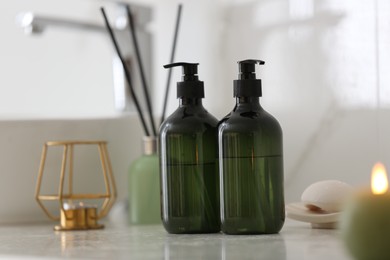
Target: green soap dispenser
188, 152
250, 161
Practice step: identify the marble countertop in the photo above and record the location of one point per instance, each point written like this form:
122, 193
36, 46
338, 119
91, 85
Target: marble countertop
295, 241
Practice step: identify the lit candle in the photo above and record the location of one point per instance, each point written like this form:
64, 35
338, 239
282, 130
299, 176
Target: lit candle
365, 223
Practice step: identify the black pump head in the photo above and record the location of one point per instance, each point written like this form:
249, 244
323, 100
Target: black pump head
191, 86
247, 85
190, 70
247, 68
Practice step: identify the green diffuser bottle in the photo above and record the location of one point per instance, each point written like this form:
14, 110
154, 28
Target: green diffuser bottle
144, 185
189, 161
250, 161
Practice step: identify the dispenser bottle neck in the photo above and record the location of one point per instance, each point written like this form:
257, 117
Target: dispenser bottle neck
247, 100
185, 101
247, 104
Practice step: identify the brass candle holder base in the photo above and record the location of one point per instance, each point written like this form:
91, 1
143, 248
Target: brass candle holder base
81, 218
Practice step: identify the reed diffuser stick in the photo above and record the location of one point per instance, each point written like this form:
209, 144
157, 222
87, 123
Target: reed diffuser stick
127, 74
178, 16
140, 65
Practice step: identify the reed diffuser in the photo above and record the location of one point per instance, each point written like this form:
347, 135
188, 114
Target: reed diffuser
143, 175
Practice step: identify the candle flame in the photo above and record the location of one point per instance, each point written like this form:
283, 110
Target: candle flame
379, 183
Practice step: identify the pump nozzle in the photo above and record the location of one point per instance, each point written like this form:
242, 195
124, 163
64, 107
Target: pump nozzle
191, 86
247, 68
247, 85
190, 70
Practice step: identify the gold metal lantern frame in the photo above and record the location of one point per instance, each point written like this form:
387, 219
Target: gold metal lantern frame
79, 216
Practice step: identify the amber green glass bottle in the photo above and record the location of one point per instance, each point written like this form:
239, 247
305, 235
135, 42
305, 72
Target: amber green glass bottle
250, 161
189, 161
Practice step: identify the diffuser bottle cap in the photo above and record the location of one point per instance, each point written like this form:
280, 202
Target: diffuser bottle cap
191, 86
247, 85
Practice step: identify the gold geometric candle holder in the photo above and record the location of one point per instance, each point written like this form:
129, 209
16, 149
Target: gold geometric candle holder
78, 216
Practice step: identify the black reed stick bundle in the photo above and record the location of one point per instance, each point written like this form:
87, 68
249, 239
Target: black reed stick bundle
140, 65
127, 74
141, 69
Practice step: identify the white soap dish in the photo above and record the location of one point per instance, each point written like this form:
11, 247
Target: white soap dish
318, 219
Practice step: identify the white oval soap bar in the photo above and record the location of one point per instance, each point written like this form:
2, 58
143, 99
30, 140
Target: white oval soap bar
326, 195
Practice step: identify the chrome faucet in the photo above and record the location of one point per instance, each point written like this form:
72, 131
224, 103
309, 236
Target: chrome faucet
35, 24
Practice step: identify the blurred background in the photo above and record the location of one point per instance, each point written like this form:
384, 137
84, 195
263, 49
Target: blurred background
325, 79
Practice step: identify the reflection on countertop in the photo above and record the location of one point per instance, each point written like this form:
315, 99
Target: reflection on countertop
296, 241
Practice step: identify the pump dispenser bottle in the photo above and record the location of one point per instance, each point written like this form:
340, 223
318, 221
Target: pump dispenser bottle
189, 161
250, 161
